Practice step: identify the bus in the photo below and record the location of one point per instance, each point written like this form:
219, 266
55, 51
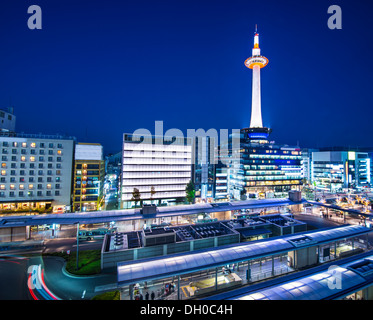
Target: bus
94, 233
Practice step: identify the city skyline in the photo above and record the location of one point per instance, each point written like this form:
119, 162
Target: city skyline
91, 68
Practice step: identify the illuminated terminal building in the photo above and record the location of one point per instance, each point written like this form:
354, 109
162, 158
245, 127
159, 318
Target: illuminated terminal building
259, 168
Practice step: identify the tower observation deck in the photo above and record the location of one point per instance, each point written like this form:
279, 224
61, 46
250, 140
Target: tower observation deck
256, 62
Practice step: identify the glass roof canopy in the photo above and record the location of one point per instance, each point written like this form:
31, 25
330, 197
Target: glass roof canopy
156, 268
316, 287
319, 286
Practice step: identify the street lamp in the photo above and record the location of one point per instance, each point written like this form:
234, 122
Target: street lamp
77, 246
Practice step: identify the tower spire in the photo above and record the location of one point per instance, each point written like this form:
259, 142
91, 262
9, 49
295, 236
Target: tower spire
256, 62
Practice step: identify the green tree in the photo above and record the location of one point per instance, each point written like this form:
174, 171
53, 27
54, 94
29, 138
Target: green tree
190, 191
136, 196
152, 192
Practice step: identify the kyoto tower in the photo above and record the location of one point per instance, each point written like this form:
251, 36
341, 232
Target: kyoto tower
256, 62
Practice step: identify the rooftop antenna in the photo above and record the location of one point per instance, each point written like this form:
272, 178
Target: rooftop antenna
256, 28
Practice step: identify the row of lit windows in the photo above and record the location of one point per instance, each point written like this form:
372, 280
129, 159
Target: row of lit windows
170, 194
147, 182
156, 147
32, 158
152, 174
31, 165
31, 144
283, 151
265, 156
88, 172
156, 168
30, 186
31, 179
272, 183
32, 151
29, 194
146, 189
31, 172
257, 178
153, 161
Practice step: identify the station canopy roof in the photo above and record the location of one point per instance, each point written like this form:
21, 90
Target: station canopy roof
135, 214
315, 287
156, 268
319, 286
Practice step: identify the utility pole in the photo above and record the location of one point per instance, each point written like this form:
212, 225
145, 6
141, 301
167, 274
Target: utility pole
77, 246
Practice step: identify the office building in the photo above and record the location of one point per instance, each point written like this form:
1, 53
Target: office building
36, 172
307, 164
89, 176
158, 167
204, 168
337, 170
7, 120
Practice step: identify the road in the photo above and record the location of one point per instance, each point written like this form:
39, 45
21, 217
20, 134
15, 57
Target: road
62, 245
69, 287
13, 278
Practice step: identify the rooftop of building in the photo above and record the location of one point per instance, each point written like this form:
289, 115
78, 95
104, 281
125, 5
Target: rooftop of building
36, 136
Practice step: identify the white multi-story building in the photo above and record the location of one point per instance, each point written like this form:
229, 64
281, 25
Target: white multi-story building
159, 167
7, 120
36, 172
335, 170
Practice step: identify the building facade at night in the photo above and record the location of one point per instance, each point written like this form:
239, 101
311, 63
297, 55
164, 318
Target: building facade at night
335, 170
36, 172
158, 167
89, 176
258, 167
7, 120
204, 168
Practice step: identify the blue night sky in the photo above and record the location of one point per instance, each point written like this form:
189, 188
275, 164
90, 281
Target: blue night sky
98, 69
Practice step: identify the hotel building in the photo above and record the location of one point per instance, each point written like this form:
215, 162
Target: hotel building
159, 167
35, 173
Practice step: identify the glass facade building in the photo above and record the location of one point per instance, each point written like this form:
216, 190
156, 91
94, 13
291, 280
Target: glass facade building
204, 169
263, 169
335, 170
158, 167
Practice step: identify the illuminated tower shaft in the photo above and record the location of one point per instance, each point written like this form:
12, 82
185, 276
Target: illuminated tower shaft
256, 112
256, 62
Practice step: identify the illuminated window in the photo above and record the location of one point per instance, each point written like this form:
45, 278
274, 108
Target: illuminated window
32, 159
3, 165
15, 144
23, 158
33, 145
2, 186
21, 186
12, 186
59, 152
31, 186
24, 144
3, 172
49, 186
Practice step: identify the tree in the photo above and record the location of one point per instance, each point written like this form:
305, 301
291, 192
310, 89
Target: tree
152, 192
190, 191
136, 196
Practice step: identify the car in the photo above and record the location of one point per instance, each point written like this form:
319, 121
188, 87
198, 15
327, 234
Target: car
41, 228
